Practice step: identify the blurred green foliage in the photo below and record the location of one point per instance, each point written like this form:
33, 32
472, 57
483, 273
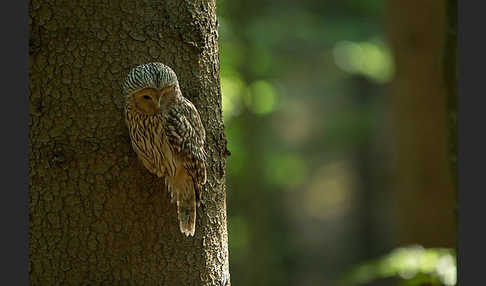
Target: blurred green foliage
414, 264
302, 89
368, 58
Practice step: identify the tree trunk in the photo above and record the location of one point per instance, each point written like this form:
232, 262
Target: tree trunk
97, 216
450, 74
423, 189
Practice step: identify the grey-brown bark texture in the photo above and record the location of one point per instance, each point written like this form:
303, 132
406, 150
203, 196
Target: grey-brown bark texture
97, 216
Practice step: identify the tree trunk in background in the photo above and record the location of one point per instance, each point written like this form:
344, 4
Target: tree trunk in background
97, 216
450, 69
423, 190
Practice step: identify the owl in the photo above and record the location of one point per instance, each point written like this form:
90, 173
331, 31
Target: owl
168, 136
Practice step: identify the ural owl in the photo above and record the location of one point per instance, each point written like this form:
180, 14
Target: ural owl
167, 134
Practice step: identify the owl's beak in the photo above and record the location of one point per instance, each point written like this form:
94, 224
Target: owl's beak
157, 104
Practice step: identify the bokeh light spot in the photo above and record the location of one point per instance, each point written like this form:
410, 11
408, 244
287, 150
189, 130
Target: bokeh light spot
262, 98
231, 89
371, 59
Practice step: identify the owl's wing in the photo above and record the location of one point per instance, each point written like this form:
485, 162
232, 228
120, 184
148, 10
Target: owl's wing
186, 133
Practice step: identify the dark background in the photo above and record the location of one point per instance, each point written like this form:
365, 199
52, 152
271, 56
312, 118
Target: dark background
334, 111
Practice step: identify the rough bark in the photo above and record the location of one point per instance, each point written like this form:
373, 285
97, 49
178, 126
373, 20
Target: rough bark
423, 189
97, 217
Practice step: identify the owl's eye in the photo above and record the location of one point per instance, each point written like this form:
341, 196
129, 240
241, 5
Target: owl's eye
146, 97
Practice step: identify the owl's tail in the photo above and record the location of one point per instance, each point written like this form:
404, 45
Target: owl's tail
186, 210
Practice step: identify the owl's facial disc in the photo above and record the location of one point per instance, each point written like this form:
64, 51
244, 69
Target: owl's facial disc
147, 101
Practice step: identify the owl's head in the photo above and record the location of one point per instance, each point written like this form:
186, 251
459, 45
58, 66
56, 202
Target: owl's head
149, 87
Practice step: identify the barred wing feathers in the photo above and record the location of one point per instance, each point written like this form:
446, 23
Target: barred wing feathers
186, 134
